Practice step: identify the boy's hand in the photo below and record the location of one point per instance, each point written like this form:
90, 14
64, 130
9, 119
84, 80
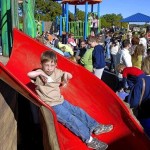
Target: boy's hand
67, 76
44, 78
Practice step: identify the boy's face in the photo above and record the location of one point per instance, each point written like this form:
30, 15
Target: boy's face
92, 44
49, 67
120, 70
83, 44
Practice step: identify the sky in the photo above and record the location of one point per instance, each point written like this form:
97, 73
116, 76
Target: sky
124, 7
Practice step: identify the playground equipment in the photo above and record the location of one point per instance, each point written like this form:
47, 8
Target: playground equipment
79, 28
9, 19
93, 95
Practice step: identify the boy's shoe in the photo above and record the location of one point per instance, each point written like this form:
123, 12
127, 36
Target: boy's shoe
103, 129
97, 145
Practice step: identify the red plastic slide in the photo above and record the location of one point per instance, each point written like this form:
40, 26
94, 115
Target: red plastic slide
84, 90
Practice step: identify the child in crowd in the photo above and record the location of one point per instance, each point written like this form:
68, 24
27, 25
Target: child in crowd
48, 80
130, 75
87, 59
80, 53
98, 57
67, 49
71, 39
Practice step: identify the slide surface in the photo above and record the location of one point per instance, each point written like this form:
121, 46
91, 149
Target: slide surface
84, 90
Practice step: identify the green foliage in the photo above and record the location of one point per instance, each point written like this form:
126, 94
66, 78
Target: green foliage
112, 19
80, 15
47, 10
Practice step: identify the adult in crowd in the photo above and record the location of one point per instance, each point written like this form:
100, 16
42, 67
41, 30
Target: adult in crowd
137, 56
124, 56
143, 41
134, 42
107, 44
114, 48
139, 97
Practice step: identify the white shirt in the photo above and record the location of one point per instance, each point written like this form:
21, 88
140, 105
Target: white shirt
143, 41
125, 58
114, 49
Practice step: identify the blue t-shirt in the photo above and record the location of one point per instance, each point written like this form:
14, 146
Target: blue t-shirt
98, 57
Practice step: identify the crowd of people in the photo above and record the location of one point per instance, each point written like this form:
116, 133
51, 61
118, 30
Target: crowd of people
127, 55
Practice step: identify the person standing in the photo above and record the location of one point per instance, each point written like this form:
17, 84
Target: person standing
139, 97
98, 57
137, 56
124, 56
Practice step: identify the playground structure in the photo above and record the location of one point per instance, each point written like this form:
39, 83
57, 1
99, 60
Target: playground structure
80, 29
10, 19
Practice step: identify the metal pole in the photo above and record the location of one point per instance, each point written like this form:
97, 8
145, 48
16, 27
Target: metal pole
75, 12
28, 18
14, 12
60, 26
92, 8
5, 26
67, 16
85, 20
98, 13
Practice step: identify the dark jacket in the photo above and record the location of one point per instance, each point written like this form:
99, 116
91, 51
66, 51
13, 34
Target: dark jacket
98, 57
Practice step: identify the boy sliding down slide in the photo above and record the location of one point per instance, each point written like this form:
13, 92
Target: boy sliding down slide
47, 81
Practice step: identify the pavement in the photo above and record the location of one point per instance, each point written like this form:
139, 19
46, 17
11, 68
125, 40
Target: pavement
4, 59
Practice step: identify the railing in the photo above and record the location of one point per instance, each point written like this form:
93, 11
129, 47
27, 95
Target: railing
77, 28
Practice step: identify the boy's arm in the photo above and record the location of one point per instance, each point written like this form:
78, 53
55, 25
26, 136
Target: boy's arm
66, 77
36, 73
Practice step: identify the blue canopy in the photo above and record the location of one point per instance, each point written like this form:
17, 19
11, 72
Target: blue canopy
137, 18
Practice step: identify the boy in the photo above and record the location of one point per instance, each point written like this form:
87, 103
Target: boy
98, 57
130, 75
48, 80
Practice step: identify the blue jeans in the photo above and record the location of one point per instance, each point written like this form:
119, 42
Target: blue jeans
67, 54
75, 119
108, 51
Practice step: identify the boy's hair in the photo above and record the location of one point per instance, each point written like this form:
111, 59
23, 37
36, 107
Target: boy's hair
92, 39
119, 66
125, 43
48, 56
146, 65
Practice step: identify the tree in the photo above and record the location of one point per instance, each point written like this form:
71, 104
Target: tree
47, 10
112, 19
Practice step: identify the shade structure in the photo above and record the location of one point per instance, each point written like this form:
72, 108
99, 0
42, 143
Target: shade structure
138, 17
81, 2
